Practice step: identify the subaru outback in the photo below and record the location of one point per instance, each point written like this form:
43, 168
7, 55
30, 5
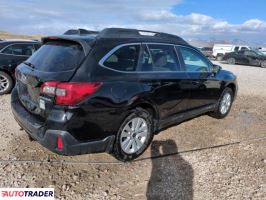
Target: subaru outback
111, 91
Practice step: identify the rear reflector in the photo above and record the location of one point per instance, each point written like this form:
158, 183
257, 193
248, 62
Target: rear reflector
60, 144
69, 93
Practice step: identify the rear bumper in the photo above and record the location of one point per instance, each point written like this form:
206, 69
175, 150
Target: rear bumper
48, 138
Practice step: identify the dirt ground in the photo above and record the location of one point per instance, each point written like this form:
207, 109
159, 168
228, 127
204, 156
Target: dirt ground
209, 158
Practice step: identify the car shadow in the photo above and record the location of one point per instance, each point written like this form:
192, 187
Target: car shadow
171, 176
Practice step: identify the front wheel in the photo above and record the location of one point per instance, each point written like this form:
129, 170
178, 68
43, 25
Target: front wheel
263, 64
224, 104
134, 135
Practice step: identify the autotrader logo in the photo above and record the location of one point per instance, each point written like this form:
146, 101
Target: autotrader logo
27, 193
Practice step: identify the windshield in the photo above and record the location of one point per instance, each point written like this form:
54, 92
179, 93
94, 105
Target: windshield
57, 56
259, 53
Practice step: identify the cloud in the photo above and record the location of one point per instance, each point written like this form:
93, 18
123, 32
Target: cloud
54, 17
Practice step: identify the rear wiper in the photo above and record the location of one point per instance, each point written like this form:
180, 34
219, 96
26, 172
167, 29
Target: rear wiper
29, 64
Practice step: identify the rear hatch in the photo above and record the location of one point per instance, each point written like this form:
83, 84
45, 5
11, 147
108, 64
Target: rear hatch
56, 60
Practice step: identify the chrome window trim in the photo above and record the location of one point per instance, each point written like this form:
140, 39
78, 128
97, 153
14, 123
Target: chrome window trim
137, 72
1, 51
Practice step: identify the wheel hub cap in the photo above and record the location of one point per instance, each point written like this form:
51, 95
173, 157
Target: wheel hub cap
225, 103
4, 84
134, 135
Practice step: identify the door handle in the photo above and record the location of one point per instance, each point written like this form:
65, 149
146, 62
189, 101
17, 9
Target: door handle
195, 82
155, 84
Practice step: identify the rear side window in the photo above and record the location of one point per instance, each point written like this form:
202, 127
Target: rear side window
236, 48
57, 56
194, 62
20, 49
159, 58
124, 59
244, 48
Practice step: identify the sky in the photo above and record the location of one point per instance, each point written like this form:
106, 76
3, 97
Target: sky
190, 19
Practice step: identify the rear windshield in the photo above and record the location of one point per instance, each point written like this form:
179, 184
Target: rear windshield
57, 56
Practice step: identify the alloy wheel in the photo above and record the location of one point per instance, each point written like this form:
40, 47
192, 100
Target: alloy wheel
134, 135
4, 83
225, 103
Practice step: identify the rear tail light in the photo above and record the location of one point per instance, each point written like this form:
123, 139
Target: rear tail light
60, 144
69, 93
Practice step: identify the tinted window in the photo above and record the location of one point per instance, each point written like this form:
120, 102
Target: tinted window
57, 56
194, 62
250, 53
160, 58
236, 48
20, 49
244, 48
124, 59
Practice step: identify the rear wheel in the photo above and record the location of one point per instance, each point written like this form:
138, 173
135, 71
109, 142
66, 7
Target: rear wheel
6, 83
134, 135
219, 57
231, 61
263, 64
224, 104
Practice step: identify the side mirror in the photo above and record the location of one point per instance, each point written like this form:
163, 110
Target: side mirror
215, 69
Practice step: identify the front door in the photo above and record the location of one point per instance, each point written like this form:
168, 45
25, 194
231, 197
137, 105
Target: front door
160, 74
204, 88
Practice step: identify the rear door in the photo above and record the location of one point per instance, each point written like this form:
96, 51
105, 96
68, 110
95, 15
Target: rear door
15, 54
160, 74
204, 88
54, 61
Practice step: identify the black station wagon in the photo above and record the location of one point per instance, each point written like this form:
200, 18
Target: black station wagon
111, 91
12, 53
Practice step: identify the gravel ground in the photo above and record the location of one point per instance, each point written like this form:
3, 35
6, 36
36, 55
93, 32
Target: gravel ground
210, 159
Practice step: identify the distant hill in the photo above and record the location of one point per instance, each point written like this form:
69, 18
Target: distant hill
211, 42
7, 35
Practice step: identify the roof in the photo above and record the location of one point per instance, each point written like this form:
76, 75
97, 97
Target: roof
117, 34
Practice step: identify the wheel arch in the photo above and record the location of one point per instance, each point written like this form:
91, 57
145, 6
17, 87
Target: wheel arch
233, 87
151, 109
2, 68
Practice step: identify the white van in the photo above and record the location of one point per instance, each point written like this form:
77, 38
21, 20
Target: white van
219, 50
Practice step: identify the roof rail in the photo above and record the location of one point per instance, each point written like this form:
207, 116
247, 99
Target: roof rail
80, 32
124, 33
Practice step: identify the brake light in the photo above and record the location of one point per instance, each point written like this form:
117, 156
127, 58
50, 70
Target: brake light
60, 144
69, 93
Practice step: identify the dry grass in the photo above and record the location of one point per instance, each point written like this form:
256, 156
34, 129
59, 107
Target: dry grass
7, 35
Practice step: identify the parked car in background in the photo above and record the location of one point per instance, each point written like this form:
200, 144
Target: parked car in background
219, 50
12, 53
207, 51
112, 91
263, 50
246, 57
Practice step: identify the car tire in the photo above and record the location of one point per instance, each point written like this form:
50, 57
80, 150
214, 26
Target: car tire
224, 104
219, 58
231, 61
263, 64
129, 145
6, 83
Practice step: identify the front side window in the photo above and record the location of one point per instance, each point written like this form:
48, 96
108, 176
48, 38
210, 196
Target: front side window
20, 49
124, 59
250, 53
159, 58
194, 62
